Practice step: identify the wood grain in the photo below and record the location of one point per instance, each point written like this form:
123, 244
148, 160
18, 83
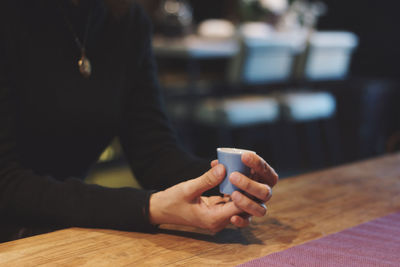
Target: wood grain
303, 208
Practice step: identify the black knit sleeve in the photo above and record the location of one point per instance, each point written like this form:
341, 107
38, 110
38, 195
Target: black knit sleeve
28, 199
149, 142
31, 200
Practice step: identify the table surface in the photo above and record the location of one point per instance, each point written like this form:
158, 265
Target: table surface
194, 47
303, 208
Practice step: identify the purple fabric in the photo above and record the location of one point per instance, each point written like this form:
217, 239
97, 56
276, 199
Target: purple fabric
375, 243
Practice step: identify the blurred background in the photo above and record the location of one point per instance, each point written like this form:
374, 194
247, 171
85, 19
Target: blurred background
306, 84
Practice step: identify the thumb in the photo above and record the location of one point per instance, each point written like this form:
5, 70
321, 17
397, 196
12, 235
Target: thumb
210, 179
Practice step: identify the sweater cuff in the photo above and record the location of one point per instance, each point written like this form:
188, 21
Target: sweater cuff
146, 212
123, 209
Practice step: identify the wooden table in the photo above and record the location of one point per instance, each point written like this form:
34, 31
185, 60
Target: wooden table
303, 208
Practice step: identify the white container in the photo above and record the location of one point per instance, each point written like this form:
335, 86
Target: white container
238, 111
265, 56
329, 55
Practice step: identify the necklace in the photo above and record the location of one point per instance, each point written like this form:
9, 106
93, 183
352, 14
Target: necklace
84, 65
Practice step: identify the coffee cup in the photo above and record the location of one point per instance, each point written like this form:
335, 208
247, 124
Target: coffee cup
231, 158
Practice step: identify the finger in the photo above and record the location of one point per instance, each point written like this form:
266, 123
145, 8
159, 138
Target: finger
256, 189
248, 205
214, 163
196, 187
239, 221
261, 167
229, 209
221, 218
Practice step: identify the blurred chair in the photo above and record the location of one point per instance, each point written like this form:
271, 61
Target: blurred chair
312, 115
261, 58
307, 105
327, 57
264, 56
228, 113
270, 57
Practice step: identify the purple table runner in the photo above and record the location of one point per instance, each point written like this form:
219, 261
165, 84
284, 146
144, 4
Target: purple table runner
375, 243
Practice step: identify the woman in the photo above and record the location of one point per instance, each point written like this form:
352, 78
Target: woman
73, 75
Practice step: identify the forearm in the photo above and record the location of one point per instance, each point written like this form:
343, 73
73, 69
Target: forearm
32, 200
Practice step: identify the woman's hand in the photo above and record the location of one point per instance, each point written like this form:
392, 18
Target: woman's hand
183, 204
256, 188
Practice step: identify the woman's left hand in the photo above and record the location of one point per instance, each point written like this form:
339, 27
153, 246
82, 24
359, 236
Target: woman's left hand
256, 188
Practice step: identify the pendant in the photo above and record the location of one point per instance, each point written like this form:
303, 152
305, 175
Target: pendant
85, 68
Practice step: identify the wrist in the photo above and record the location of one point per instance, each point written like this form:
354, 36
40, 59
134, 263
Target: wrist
155, 209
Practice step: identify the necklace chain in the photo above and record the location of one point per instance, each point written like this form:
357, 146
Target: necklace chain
84, 65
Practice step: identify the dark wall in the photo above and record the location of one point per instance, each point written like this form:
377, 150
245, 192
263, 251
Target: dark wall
376, 23
376, 60
202, 9
206, 9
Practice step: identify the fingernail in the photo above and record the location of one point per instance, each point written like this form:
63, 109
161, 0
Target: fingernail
234, 178
218, 170
269, 193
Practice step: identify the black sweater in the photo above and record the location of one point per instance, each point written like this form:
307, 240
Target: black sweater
54, 123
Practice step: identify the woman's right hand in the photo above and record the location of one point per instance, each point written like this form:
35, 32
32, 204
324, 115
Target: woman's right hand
183, 204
